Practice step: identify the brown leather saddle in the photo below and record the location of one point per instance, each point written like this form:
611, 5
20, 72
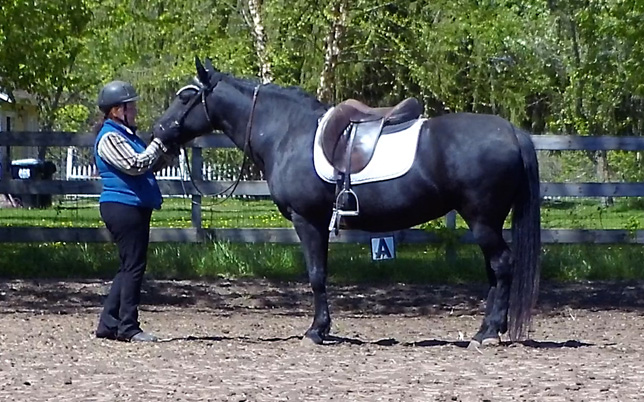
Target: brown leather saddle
349, 136
351, 132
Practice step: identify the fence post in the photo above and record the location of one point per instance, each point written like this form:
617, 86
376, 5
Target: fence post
69, 163
450, 224
195, 170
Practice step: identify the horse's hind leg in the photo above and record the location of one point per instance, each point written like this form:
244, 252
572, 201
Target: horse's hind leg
498, 261
315, 245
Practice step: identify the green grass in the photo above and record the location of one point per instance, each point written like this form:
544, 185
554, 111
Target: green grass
348, 263
592, 262
175, 213
590, 214
235, 213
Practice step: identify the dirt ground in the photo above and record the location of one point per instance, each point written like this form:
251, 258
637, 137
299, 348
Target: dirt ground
241, 341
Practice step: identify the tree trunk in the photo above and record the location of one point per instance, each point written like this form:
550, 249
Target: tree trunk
51, 105
257, 27
603, 174
579, 92
326, 88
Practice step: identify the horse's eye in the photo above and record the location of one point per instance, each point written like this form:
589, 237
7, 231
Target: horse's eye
185, 96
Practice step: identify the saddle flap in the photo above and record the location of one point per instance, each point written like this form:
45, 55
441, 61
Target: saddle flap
354, 148
333, 130
364, 144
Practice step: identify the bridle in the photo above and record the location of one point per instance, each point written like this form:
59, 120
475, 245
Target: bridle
203, 92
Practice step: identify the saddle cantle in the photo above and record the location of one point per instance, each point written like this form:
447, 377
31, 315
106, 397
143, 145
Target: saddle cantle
350, 133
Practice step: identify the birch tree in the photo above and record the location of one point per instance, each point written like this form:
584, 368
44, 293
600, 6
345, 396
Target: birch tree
332, 50
256, 24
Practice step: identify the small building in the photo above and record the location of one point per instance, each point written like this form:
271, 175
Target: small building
20, 114
17, 114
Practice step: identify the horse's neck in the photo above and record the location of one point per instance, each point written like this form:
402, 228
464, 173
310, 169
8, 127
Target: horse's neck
271, 121
240, 120
233, 113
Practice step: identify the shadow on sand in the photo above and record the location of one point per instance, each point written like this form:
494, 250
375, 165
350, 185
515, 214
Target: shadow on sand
339, 340
295, 298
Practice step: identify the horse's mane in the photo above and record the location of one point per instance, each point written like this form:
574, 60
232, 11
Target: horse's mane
292, 93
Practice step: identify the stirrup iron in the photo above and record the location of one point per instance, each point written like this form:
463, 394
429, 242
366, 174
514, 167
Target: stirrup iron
338, 213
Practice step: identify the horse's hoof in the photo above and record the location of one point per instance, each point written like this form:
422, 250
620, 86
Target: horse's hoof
306, 342
312, 339
474, 345
491, 342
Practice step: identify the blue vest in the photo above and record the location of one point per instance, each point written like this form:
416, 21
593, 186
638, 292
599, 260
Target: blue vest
141, 190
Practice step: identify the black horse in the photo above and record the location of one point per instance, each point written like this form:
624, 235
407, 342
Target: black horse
479, 165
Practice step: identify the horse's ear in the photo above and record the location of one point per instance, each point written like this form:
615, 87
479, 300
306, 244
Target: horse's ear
202, 74
209, 66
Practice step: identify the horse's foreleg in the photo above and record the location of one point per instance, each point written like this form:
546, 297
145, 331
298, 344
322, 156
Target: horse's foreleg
315, 245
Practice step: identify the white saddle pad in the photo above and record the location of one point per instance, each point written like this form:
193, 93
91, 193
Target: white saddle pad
393, 157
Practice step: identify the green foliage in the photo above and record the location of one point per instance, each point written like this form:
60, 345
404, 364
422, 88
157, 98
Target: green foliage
549, 66
42, 45
598, 44
73, 118
295, 32
626, 166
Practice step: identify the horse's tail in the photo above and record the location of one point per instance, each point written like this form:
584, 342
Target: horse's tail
526, 242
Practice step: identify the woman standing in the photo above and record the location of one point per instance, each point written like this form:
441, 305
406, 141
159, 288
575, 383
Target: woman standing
130, 193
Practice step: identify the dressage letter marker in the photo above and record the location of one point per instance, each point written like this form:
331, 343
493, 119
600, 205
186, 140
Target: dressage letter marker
383, 248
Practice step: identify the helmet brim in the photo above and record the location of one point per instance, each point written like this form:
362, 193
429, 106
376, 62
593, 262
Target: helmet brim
132, 99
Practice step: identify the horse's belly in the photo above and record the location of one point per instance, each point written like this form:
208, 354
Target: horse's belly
382, 224
379, 218
397, 204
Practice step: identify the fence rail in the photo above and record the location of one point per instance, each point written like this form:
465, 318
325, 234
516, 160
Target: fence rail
198, 187
259, 188
541, 142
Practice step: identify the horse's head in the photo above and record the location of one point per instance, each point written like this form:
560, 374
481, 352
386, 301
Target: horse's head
188, 116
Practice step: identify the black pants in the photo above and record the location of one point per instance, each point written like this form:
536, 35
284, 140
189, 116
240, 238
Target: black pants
130, 230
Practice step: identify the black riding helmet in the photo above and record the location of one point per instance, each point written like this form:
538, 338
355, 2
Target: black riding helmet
115, 93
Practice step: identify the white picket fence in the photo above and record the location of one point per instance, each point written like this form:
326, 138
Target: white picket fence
77, 170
